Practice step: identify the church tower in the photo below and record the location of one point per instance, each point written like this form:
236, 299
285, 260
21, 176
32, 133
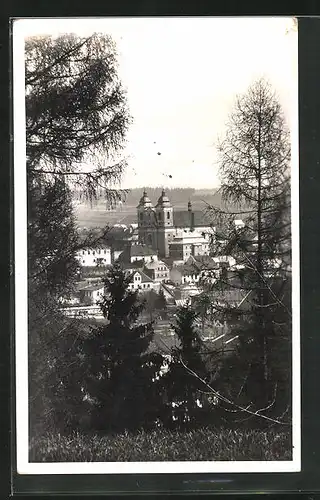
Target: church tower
164, 216
147, 224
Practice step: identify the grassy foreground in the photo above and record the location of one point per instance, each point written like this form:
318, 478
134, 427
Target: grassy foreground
164, 445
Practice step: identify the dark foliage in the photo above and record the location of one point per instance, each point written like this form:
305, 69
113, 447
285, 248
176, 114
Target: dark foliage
184, 391
255, 170
75, 111
121, 381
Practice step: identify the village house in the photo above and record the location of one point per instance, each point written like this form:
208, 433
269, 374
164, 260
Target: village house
157, 270
94, 256
183, 273
186, 244
91, 294
142, 282
136, 252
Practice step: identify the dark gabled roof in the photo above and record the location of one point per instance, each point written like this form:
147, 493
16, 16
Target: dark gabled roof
154, 264
136, 251
137, 264
174, 292
189, 270
168, 261
182, 218
141, 250
144, 277
202, 262
92, 288
206, 262
94, 270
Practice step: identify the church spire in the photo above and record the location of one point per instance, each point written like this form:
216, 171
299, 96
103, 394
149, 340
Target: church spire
145, 200
163, 201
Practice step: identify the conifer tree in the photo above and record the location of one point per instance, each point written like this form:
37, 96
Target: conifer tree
255, 177
122, 370
182, 387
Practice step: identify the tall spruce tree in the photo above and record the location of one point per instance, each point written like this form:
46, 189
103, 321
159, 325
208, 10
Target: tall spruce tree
255, 175
122, 370
183, 389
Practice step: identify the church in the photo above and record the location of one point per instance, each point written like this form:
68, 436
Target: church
173, 233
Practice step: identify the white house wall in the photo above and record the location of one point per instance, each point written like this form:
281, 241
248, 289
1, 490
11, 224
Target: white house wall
90, 257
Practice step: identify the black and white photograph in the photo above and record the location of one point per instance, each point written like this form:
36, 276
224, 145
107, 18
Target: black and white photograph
156, 212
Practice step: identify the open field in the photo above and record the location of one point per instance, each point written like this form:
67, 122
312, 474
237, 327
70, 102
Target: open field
98, 216
164, 445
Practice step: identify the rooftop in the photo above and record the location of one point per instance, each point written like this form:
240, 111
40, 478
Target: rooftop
145, 200
92, 288
163, 201
141, 250
137, 264
137, 250
144, 277
182, 218
188, 238
155, 264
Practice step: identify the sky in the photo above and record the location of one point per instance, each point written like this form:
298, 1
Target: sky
182, 76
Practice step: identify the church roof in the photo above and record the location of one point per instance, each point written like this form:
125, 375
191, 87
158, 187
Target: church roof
145, 200
182, 218
163, 201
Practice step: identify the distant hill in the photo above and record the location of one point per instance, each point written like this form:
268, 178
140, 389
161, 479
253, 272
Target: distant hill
177, 196
97, 215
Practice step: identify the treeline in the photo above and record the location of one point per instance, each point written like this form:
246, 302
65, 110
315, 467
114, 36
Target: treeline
176, 195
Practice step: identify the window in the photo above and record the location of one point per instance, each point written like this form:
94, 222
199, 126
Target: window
141, 215
94, 260
159, 215
88, 252
148, 285
105, 251
168, 215
83, 252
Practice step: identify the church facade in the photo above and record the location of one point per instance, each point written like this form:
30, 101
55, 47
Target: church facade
161, 225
